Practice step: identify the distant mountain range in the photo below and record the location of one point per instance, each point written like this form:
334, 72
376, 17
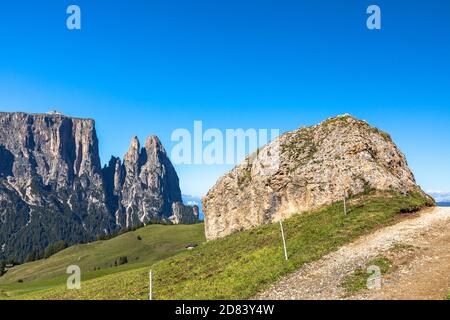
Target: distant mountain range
194, 201
53, 188
440, 196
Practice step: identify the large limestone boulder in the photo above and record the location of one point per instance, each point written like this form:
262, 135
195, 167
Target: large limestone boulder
304, 170
51, 185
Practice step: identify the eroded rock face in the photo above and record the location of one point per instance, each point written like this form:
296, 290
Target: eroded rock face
315, 166
182, 214
52, 186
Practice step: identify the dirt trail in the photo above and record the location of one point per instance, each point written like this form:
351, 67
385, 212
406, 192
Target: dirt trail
418, 247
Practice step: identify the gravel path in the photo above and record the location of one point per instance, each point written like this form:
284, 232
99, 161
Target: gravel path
422, 271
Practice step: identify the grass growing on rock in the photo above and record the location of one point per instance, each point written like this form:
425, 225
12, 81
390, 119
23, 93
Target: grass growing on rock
357, 281
243, 264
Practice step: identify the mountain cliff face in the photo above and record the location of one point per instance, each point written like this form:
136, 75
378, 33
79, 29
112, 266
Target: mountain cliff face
145, 186
52, 186
315, 166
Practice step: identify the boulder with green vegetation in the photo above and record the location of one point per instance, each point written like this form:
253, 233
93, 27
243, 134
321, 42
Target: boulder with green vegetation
304, 170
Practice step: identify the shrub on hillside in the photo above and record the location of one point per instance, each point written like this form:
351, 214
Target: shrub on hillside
54, 248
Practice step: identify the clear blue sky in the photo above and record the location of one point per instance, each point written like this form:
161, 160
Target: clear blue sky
143, 67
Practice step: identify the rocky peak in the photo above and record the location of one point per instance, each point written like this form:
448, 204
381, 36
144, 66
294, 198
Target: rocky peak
182, 214
146, 186
150, 186
316, 166
118, 174
46, 143
131, 159
51, 182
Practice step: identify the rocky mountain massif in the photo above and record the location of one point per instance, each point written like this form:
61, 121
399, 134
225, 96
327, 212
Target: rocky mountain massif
304, 170
52, 186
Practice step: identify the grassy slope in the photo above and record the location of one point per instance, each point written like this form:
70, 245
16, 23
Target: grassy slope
157, 242
239, 266
357, 281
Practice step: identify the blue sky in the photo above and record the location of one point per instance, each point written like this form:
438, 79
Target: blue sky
141, 67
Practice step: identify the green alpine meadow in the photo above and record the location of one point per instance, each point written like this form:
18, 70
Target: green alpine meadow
235, 267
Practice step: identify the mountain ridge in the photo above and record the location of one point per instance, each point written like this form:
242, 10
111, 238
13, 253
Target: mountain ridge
52, 185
